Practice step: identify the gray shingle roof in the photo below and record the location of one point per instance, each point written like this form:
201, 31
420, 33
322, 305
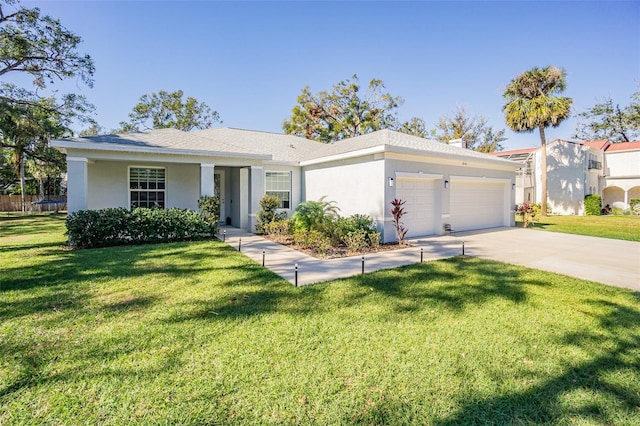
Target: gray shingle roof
285, 148
402, 140
160, 138
281, 148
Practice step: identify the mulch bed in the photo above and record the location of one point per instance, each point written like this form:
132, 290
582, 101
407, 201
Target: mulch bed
335, 252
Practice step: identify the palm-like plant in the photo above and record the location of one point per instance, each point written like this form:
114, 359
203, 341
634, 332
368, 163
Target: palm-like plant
532, 103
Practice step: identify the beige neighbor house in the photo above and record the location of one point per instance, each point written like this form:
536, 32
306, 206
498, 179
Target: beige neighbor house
577, 169
441, 184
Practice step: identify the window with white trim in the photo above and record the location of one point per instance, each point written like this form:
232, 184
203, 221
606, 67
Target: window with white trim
279, 184
147, 187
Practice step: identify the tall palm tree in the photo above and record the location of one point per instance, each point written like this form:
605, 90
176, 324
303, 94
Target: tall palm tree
532, 103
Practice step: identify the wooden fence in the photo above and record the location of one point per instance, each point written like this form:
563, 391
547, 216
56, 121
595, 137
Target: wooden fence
34, 203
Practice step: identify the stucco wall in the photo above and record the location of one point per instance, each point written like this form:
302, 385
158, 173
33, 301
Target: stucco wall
622, 181
355, 185
622, 164
108, 184
567, 180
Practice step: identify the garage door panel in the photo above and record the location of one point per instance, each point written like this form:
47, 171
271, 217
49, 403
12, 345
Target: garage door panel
419, 196
477, 205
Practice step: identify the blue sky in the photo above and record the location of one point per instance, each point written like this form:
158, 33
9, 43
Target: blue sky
250, 60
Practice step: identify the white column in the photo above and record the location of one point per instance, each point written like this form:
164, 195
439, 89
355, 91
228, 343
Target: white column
244, 198
77, 184
257, 192
626, 198
206, 179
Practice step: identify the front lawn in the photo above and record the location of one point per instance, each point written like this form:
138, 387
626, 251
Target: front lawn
616, 227
195, 333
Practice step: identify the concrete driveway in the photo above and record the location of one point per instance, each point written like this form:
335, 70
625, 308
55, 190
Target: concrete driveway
612, 262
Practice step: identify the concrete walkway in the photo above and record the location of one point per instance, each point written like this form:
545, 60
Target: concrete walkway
611, 262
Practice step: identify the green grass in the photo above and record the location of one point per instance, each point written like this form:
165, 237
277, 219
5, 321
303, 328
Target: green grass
195, 333
616, 227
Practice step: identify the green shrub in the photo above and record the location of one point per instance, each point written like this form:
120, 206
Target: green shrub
279, 230
634, 206
356, 241
593, 205
313, 240
315, 215
344, 227
96, 228
118, 226
280, 227
268, 213
210, 210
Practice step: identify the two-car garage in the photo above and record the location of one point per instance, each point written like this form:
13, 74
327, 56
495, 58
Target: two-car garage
467, 202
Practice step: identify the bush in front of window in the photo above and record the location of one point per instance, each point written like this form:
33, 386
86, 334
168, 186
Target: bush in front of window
119, 226
268, 213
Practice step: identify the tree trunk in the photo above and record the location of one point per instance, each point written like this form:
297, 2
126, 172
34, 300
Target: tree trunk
22, 188
543, 171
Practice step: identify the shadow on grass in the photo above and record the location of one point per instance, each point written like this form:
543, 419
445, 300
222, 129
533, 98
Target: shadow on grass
548, 401
401, 290
31, 225
69, 275
429, 283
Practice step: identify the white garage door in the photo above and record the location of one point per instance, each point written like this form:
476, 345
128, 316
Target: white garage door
477, 205
419, 195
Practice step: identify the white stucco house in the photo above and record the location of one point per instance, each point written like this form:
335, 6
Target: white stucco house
577, 169
442, 184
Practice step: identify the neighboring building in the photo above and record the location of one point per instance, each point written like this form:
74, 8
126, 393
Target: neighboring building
577, 169
441, 184
622, 174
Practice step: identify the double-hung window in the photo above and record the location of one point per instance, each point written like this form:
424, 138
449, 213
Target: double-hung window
147, 187
279, 184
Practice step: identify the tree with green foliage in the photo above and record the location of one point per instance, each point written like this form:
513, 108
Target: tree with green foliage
606, 120
26, 131
346, 111
415, 127
533, 103
41, 47
94, 129
7, 173
164, 110
474, 130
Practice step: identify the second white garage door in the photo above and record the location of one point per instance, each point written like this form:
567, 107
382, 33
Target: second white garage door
478, 204
420, 205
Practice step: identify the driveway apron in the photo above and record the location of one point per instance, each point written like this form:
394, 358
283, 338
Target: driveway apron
611, 262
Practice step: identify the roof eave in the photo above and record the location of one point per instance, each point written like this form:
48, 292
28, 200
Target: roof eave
106, 147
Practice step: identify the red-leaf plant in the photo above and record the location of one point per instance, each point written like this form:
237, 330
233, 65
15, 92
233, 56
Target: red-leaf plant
398, 211
526, 212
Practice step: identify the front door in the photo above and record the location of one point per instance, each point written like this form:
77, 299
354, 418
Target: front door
218, 189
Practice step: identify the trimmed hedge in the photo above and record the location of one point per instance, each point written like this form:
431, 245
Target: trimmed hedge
119, 226
593, 205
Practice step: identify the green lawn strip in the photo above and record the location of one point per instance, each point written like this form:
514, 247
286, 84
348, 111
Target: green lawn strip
615, 227
195, 333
